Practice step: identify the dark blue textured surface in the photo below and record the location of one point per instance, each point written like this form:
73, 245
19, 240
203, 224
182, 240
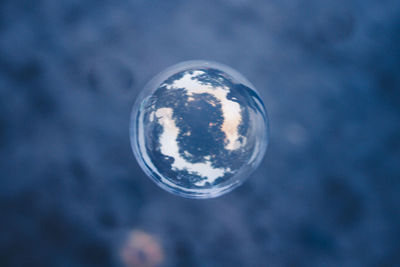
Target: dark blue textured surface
326, 194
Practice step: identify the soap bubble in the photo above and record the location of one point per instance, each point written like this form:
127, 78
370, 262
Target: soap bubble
199, 129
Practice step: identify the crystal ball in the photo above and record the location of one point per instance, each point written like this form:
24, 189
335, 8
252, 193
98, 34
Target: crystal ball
199, 129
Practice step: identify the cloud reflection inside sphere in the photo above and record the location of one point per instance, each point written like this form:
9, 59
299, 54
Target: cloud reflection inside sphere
199, 129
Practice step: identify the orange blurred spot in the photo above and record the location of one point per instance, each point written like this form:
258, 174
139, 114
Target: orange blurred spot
142, 250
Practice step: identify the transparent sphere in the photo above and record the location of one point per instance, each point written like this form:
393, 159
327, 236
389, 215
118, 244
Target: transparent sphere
199, 129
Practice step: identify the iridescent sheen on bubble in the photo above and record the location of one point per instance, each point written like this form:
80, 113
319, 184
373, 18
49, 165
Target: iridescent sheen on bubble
199, 129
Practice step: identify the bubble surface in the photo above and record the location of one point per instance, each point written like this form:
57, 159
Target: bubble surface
199, 129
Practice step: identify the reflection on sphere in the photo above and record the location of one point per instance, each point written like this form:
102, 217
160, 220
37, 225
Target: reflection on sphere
199, 129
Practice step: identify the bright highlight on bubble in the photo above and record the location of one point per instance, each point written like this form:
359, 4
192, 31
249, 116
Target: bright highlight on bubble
199, 129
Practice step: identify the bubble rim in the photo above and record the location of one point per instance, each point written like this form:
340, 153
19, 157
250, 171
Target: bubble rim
158, 179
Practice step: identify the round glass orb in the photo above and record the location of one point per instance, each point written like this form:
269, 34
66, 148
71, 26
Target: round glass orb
199, 129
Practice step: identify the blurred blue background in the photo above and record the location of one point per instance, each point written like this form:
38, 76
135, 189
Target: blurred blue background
326, 194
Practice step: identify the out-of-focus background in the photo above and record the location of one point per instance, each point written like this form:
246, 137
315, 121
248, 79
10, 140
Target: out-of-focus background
326, 194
